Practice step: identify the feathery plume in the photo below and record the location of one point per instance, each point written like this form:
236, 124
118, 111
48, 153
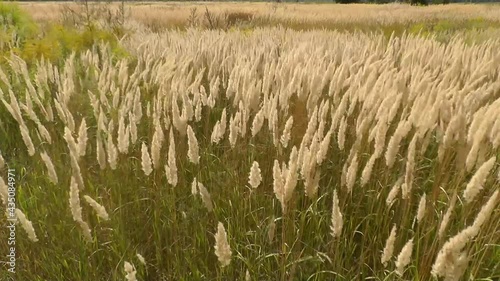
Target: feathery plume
194, 187
421, 209
141, 258
205, 197
475, 185
367, 171
50, 167
27, 225
146, 160
193, 150
74, 201
112, 152
341, 133
222, 248
73, 147
99, 209
171, 167
389, 247
130, 271
285, 136
156, 145
27, 139
255, 178
337, 220
290, 179
258, 121
351, 173
82, 138
394, 192
404, 257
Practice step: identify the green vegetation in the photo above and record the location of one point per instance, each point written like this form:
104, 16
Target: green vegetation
21, 36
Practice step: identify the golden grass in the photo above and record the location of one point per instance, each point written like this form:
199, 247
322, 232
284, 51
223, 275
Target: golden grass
174, 14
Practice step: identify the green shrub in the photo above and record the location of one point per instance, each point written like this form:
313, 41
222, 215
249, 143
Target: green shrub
20, 35
16, 22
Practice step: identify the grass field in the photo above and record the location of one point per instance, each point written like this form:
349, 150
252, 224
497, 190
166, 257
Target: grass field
249, 141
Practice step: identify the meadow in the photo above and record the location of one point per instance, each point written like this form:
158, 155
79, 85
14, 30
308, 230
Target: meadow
250, 141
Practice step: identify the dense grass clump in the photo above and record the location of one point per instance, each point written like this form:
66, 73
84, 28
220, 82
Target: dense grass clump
269, 154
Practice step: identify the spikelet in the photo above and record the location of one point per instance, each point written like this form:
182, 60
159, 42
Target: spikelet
99, 209
222, 248
447, 215
171, 167
205, 197
485, 212
247, 276
323, 147
130, 271
179, 122
410, 167
156, 145
451, 260
50, 167
141, 258
219, 128
285, 136
133, 128
193, 150
337, 221
27, 140
73, 147
290, 179
82, 138
74, 201
44, 133
146, 160
26, 225
112, 152
401, 131
475, 185
123, 136
341, 133
394, 192
258, 121
215, 137
389, 247
194, 187
234, 129
421, 209
351, 173
255, 178
367, 171
404, 257
450, 257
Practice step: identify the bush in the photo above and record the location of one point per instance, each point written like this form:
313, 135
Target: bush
17, 22
20, 35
